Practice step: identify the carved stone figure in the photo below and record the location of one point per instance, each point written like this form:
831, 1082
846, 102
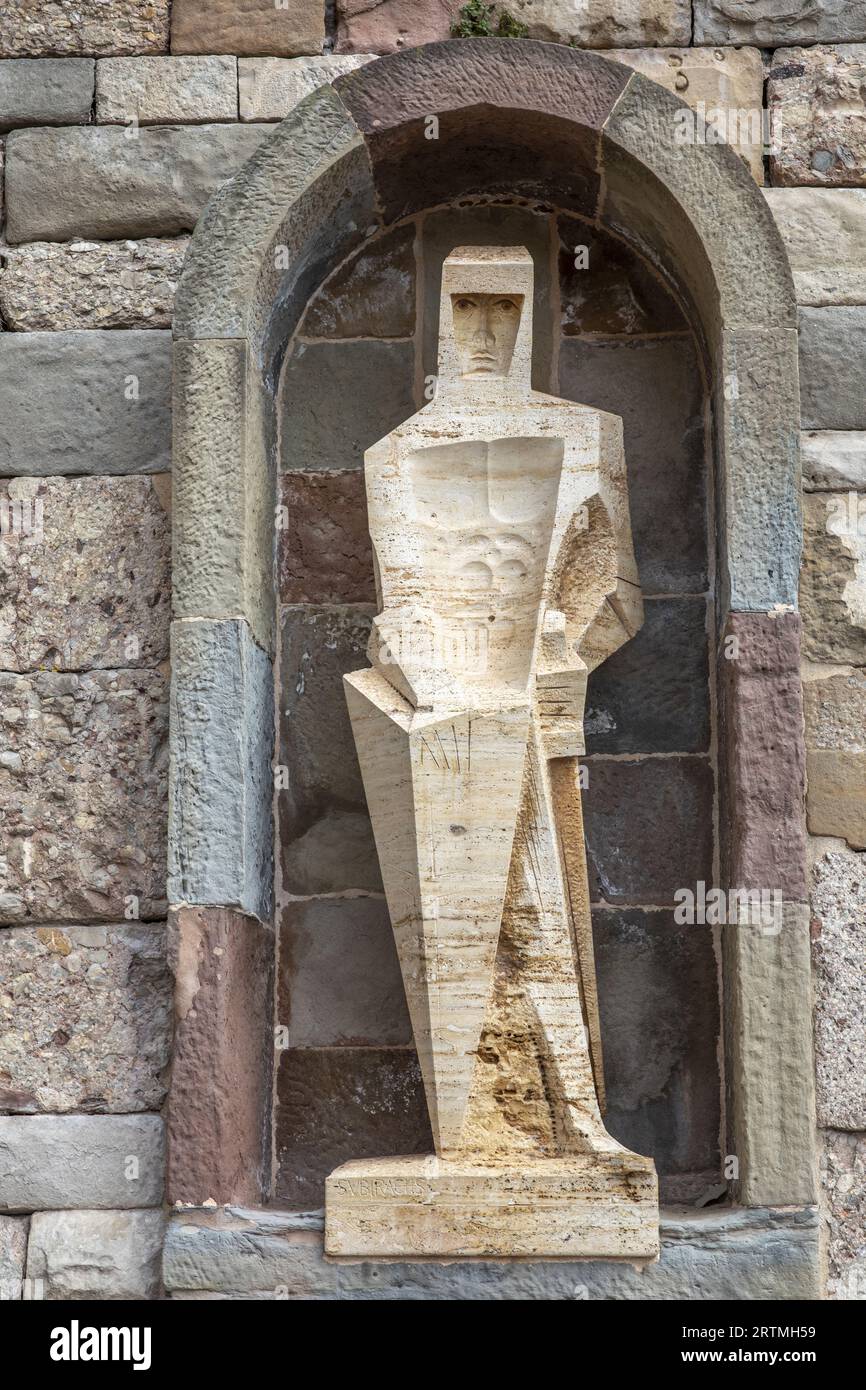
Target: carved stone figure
505, 574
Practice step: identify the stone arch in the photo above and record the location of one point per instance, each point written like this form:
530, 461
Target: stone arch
540, 122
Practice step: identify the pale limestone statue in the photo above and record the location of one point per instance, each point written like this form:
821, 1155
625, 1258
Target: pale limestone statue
505, 574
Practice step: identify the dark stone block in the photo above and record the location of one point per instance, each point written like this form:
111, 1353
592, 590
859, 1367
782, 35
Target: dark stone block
325, 555
652, 695
616, 293
831, 394
649, 828
371, 296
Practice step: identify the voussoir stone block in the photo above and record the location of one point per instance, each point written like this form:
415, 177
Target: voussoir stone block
221, 787
269, 88
817, 109
13, 1255
773, 22
88, 583
50, 286
843, 1185
85, 1018
832, 342
83, 26
835, 708
98, 182
54, 1162
833, 460
166, 89
84, 403
219, 1107
45, 91
839, 940
824, 231
833, 581
102, 1255
248, 26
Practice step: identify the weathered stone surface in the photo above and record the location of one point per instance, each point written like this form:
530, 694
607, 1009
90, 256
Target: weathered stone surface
833, 579
651, 696
247, 26
220, 846
96, 1254
339, 1103
725, 85
824, 231
386, 26
83, 26
604, 287
833, 460
85, 1018
91, 585
371, 296
84, 403
336, 855
325, 555
51, 286
839, 938
771, 22
816, 102
46, 91
659, 1028
99, 183
648, 828
166, 89
13, 1253
379, 379
763, 837
268, 88
340, 982
720, 1254
53, 1162
835, 708
82, 789
219, 1107
843, 1184
830, 341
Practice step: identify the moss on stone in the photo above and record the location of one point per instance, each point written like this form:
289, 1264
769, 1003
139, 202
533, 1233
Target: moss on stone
476, 20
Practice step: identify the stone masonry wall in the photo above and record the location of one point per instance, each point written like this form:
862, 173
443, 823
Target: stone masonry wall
117, 122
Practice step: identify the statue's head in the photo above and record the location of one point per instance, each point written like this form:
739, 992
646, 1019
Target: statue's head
485, 328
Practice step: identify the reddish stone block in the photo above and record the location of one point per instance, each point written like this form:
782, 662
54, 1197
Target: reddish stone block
325, 554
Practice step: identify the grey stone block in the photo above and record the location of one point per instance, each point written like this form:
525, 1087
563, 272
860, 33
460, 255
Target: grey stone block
100, 182
791, 21
832, 364
839, 939
833, 460
728, 1254
268, 88
54, 1162
13, 1254
163, 90
45, 91
96, 1254
52, 286
220, 849
824, 231
85, 403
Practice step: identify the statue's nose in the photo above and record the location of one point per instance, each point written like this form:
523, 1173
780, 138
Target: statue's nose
483, 336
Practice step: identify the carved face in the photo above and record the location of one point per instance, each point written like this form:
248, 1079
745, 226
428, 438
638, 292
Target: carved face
485, 330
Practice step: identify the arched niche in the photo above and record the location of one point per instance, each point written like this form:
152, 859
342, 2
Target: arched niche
558, 131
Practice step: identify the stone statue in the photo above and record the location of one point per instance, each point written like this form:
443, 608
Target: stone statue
505, 574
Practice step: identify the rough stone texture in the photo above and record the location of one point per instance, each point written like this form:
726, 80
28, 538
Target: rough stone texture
728, 1254
219, 1108
84, 403
96, 1254
770, 22
617, 293
830, 341
833, 580
816, 103
335, 1104
100, 183
13, 1253
763, 836
247, 26
839, 937
85, 1019
835, 708
82, 790
91, 588
843, 1182
824, 231
371, 296
378, 378
648, 825
220, 841
651, 696
728, 80
340, 982
52, 286
166, 89
268, 88
45, 91
833, 460
324, 554
83, 26
659, 1027
53, 1162
386, 26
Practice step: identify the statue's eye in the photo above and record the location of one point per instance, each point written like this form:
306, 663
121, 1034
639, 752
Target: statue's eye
507, 306
464, 304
